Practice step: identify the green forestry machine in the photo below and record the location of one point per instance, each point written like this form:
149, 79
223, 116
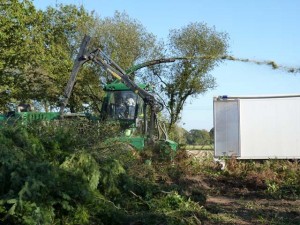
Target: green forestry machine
134, 106
24, 114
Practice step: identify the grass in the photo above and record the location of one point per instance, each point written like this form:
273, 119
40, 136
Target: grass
199, 147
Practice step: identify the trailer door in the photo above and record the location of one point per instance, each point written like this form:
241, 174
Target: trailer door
226, 125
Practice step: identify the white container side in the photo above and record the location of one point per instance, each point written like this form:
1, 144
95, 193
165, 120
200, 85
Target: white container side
257, 127
270, 128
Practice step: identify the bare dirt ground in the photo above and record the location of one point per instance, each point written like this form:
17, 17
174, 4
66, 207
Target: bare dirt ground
230, 202
226, 204
254, 210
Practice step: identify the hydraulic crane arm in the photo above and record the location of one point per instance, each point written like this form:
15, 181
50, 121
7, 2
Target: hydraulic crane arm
111, 67
76, 67
98, 57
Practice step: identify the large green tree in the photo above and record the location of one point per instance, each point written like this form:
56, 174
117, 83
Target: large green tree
194, 51
188, 78
125, 40
64, 26
21, 43
36, 50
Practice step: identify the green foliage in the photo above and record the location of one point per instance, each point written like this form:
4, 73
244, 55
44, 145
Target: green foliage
189, 78
198, 137
125, 40
178, 134
110, 172
20, 38
176, 209
45, 181
57, 173
35, 50
83, 165
64, 27
129, 190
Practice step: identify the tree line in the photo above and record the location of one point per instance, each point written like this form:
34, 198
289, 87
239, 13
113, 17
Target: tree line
200, 137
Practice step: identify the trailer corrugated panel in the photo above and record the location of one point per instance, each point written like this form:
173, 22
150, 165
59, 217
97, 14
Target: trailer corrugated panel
263, 127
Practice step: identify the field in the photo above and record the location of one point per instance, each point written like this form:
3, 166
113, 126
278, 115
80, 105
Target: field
199, 147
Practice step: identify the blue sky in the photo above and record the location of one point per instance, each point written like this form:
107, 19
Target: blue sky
258, 29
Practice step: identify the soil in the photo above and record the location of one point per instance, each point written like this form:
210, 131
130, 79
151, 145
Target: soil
229, 203
254, 210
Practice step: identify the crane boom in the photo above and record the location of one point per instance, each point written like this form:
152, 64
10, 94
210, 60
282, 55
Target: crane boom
99, 57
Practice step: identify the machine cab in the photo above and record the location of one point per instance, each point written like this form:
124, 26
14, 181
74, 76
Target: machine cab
121, 103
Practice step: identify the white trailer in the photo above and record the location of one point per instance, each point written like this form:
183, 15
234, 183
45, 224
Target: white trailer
258, 127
